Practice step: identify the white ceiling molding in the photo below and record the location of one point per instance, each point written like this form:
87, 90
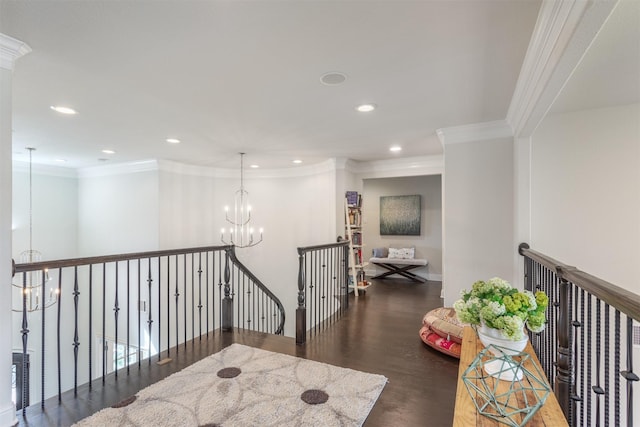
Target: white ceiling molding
474, 132
293, 172
40, 169
118, 169
562, 35
411, 166
10, 50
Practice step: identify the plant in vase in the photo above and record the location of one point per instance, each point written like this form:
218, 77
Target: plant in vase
495, 304
501, 312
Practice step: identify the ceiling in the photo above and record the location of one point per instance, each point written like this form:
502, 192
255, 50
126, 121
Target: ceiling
244, 76
231, 76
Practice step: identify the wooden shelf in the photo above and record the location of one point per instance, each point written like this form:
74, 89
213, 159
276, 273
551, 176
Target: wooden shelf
353, 227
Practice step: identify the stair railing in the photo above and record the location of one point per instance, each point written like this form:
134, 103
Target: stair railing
590, 326
131, 307
323, 279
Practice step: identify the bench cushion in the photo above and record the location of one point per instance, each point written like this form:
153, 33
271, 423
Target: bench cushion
398, 261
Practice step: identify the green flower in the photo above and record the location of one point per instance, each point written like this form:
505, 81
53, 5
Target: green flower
499, 305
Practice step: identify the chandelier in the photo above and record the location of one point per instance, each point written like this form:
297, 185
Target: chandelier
32, 286
240, 231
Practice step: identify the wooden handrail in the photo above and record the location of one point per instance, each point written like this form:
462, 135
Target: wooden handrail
71, 262
625, 301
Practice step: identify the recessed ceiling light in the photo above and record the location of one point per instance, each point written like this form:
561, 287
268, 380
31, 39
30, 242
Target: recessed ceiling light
254, 166
333, 78
63, 110
108, 152
297, 161
61, 160
173, 141
366, 108
395, 148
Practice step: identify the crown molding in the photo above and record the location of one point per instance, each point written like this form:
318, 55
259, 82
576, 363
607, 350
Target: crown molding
474, 132
10, 50
409, 166
404, 166
118, 169
40, 169
563, 33
299, 171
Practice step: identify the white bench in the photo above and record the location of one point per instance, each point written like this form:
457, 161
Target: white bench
399, 266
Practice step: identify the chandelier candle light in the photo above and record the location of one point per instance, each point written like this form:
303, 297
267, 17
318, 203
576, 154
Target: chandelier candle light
240, 232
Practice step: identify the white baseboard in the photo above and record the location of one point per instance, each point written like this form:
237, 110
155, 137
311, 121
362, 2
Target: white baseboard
8, 415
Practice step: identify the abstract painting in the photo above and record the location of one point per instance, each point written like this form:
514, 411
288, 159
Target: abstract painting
400, 215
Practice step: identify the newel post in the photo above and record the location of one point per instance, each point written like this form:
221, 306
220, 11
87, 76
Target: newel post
564, 374
301, 311
227, 301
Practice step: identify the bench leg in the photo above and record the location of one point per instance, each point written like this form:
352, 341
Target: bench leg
403, 271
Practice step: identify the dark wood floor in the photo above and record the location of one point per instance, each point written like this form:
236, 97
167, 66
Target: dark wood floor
378, 334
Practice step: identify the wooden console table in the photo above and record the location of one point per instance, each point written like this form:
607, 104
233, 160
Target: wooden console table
466, 414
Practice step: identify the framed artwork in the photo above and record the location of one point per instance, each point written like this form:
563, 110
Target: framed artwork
400, 215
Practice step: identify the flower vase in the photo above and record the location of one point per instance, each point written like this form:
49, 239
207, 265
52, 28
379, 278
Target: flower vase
502, 347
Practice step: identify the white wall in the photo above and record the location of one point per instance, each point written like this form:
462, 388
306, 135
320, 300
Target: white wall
478, 222
118, 213
294, 210
585, 191
54, 211
191, 209
429, 244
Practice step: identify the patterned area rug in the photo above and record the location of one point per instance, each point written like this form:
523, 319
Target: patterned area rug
246, 386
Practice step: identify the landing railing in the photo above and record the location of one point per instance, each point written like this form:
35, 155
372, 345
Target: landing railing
587, 348
322, 287
105, 313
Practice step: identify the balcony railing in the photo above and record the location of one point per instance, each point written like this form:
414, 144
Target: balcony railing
111, 312
322, 287
587, 349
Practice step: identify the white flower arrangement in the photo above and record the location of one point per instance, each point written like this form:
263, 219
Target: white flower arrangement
498, 305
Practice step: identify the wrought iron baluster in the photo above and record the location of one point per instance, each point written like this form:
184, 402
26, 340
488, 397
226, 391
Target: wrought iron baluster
169, 307
90, 335
139, 314
104, 322
150, 313
629, 375
176, 295
616, 367
76, 342
589, 390
129, 314
25, 337
206, 298
200, 294
116, 310
42, 349
159, 308
193, 299
607, 389
597, 389
184, 298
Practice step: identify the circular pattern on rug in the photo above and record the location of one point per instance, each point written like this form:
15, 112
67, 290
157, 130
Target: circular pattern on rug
314, 397
229, 372
126, 402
